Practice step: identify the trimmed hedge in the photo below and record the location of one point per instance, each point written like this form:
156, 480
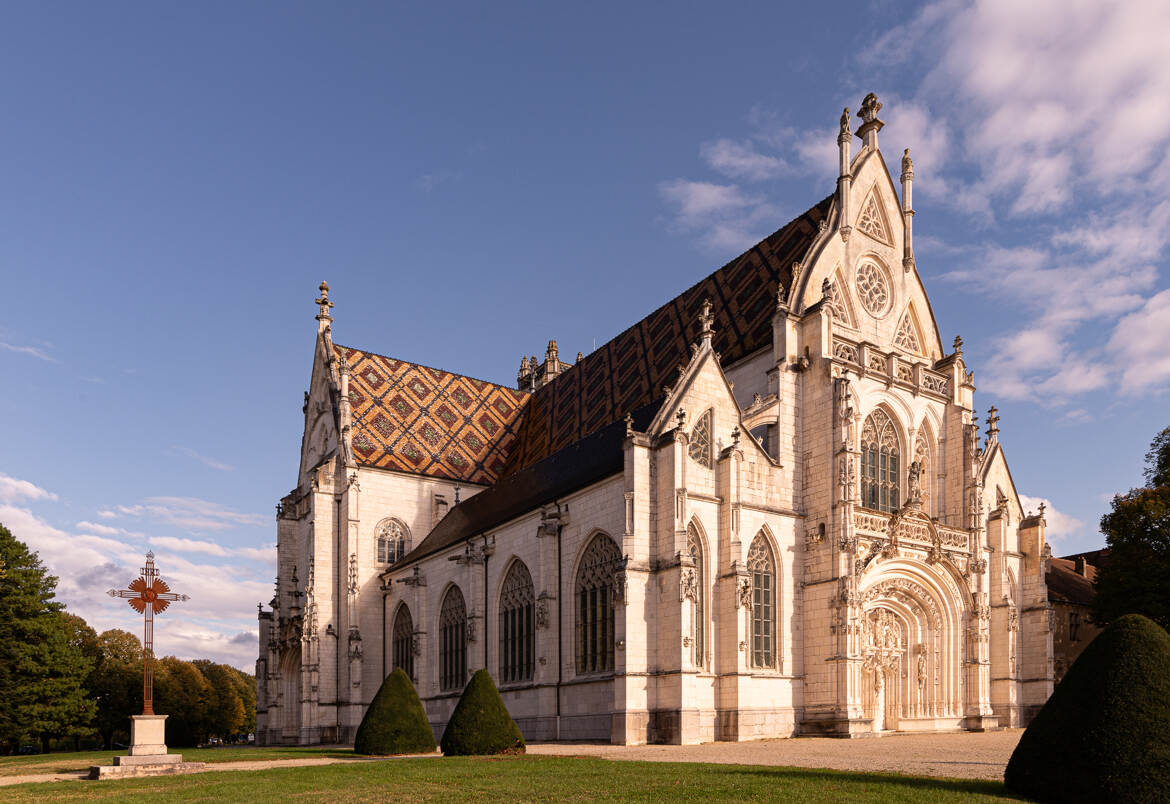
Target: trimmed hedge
480, 723
395, 723
1104, 735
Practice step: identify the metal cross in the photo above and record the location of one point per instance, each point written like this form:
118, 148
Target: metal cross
148, 594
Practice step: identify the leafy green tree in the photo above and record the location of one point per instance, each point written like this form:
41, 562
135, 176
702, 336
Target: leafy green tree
84, 639
117, 683
42, 673
225, 713
246, 687
1136, 577
182, 693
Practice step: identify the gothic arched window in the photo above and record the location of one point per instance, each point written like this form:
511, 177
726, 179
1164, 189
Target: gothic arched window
879, 463
596, 588
695, 550
762, 570
517, 607
402, 641
452, 640
393, 541
699, 447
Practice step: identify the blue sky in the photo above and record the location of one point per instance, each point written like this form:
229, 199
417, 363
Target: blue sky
473, 180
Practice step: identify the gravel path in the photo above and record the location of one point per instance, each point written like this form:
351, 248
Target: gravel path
963, 755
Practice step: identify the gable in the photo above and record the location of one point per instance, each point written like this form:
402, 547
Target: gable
426, 421
319, 439
872, 221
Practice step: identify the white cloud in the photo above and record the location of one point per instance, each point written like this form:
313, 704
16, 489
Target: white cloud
15, 490
1057, 525
203, 459
105, 530
1141, 341
742, 160
722, 215
189, 545
31, 351
187, 512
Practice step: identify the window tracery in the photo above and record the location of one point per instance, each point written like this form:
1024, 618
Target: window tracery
517, 644
596, 588
906, 337
393, 541
870, 221
837, 303
872, 288
695, 550
699, 446
402, 641
762, 571
880, 454
452, 640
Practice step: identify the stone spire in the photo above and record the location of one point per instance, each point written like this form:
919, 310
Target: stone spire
868, 130
323, 304
907, 211
844, 177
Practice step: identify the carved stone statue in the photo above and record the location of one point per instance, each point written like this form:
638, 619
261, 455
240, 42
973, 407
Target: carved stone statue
914, 481
845, 121
870, 108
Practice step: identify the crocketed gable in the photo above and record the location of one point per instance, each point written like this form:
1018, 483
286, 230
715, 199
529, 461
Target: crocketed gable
630, 371
427, 421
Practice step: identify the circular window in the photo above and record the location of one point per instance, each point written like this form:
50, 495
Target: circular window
873, 289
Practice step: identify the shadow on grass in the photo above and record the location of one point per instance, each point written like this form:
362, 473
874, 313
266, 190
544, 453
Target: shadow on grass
984, 787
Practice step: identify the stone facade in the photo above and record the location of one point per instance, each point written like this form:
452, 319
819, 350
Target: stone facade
811, 536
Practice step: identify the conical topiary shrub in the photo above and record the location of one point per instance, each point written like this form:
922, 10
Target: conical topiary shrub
1104, 735
480, 723
395, 723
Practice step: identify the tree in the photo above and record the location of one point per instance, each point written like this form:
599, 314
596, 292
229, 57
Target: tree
42, 672
480, 723
117, 682
1104, 735
85, 640
225, 714
182, 693
395, 722
246, 687
1136, 577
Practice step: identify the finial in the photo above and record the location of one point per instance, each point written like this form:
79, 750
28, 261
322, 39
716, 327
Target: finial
870, 106
907, 165
992, 421
959, 345
457, 495
629, 424
735, 434
323, 303
706, 321
579, 356
1043, 506
826, 288
845, 122
150, 555
550, 354
681, 417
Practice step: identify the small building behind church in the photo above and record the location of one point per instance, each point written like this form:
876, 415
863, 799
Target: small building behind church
1070, 594
767, 509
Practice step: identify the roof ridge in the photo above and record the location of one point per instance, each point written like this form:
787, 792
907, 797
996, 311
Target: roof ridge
431, 368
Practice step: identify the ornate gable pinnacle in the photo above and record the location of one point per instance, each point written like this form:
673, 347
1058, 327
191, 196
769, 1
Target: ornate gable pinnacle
992, 424
958, 345
324, 304
869, 113
907, 165
870, 106
706, 323
845, 124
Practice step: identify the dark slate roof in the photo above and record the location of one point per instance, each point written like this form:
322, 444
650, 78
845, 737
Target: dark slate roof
428, 421
1066, 585
631, 370
586, 461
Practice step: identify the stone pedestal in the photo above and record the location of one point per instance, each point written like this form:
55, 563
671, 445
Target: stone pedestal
148, 753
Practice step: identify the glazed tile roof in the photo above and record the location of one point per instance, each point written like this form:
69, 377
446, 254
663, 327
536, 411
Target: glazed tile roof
427, 421
631, 370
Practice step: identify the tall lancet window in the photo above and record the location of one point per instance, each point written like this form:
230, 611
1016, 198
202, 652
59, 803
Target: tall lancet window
762, 570
695, 550
879, 463
452, 641
596, 589
402, 641
393, 541
517, 604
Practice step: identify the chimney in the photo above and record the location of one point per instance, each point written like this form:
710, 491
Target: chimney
1082, 566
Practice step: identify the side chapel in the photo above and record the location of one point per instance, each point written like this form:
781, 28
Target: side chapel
764, 510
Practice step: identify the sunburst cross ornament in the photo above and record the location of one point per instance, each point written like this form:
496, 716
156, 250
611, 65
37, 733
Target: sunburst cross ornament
148, 595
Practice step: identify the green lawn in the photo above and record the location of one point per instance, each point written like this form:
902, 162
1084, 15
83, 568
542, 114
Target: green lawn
78, 761
519, 779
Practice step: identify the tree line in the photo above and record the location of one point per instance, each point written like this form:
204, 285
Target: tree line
62, 683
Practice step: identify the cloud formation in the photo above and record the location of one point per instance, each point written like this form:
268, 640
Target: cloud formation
1058, 526
14, 490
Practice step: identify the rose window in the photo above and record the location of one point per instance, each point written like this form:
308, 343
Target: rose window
873, 289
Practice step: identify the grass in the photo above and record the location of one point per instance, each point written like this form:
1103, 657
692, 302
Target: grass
67, 762
521, 778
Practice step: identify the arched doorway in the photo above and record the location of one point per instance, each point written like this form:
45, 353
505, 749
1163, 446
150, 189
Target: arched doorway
290, 696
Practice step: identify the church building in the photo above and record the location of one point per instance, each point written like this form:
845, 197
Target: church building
767, 509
